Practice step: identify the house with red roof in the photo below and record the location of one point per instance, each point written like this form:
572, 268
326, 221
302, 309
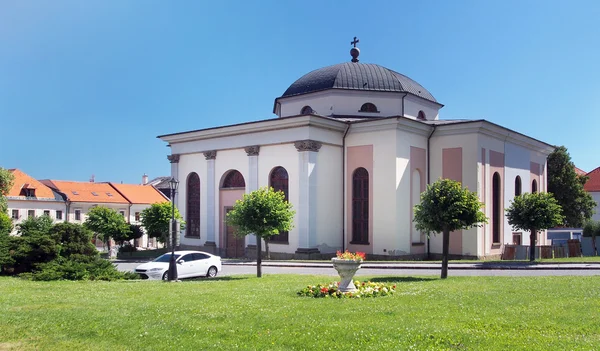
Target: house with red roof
592, 186
28, 197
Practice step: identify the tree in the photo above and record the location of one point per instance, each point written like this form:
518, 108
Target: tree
264, 213
73, 239
567, 187
156, 219
6, 182
533, 212
591, 229
34, 224
107, 224
6, 225
445, 207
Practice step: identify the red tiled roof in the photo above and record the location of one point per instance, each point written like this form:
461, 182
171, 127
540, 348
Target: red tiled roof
140, 194
580, 171
593, 183
87, 191
25, 181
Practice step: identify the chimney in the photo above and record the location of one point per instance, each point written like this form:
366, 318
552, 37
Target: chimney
144, 179
92, 179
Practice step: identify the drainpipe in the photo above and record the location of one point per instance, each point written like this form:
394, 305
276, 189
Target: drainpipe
403, 103
344, 188
429, 181
67, 208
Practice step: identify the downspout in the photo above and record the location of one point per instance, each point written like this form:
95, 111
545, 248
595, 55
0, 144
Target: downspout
403, 103
67, 208
344, 187
429, 181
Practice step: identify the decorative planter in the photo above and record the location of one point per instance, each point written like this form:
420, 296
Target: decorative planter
346, 270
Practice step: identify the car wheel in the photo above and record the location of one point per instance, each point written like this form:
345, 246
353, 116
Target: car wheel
165, 275
212, 272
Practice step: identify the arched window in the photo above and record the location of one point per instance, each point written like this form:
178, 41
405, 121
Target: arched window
307, 110
517, 186
421, 116
534, 186
233, 179
193, 206
279, 181
496, 207
368, 107
360, 206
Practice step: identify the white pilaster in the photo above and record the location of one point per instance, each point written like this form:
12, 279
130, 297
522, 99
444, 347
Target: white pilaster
210, 157
307, 206
252, 152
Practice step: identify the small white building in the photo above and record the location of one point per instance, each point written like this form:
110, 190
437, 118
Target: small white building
352, 147
30, 198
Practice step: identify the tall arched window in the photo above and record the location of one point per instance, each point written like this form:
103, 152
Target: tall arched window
233, 179
306, 110
368, 107
517, 186
279, 181
421, 116
496, 207
534, 186
360, 206
193, 206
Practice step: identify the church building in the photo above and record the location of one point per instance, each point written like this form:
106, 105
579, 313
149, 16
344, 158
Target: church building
352, 147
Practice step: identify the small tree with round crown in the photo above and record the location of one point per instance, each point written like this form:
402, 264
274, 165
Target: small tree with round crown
445, 207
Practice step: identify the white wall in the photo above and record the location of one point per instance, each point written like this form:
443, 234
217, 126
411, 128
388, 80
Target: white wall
189, 163
329, 199
285, 156
348, 102
86, 206
23, 206
517, 163
596, 197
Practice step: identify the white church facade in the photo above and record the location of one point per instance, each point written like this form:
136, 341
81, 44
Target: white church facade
352, 147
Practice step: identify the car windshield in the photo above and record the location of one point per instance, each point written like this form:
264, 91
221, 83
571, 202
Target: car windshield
165, 258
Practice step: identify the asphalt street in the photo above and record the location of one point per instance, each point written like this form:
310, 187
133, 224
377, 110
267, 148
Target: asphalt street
237, 269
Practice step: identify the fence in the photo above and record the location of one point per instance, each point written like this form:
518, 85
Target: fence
572, 248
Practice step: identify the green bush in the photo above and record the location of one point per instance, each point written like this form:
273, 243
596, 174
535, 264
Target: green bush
127, 248
78, 268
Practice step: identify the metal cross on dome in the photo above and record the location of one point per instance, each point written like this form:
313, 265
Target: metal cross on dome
354, 42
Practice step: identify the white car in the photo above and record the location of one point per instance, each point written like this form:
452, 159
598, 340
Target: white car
189, 264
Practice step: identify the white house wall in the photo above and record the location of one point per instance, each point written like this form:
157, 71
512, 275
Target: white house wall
38, 206
329, 199
189, 163
401, 241
596, 197
344, 102
517, 160
468, 143
384, 185
285, 156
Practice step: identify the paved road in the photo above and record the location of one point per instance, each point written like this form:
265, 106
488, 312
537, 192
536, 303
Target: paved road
250, 269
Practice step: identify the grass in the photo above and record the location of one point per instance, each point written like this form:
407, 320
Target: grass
247, 313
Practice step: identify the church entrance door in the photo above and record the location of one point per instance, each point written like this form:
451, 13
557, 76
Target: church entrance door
233, 244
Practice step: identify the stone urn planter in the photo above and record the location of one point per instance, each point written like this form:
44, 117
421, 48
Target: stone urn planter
346, 269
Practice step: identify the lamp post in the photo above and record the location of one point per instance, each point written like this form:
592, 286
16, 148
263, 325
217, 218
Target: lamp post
172, 275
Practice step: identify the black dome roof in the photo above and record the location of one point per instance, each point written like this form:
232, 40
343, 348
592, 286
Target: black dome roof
357, 76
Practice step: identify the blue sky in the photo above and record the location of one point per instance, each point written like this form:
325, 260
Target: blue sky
86, 86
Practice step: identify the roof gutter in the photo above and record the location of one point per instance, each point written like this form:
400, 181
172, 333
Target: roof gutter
429, 180
344, 187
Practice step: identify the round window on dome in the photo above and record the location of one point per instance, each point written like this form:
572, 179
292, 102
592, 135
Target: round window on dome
307, 110
368, 107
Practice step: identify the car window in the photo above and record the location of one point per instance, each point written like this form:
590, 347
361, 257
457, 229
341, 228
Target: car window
165, 258
186, 258
200, 256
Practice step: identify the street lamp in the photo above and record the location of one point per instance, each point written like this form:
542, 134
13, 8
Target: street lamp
172, 275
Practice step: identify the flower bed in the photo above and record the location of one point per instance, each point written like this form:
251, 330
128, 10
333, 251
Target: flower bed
364, 290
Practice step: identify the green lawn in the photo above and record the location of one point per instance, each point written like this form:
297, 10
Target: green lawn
460, 313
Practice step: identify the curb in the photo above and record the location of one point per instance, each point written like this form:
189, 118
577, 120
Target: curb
571, 266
